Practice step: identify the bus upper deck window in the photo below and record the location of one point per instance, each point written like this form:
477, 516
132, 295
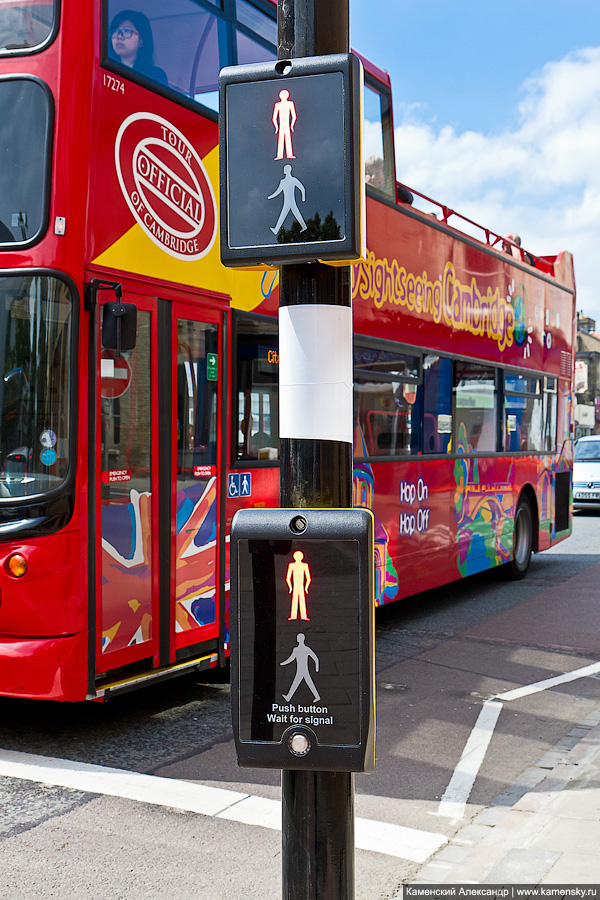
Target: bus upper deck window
25, 112
25, 26
379, 165
187, 45
191, 41
260, 25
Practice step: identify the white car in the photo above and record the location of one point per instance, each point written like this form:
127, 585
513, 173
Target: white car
586, 471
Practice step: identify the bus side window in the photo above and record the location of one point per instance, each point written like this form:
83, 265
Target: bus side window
550, 413
475, 415
437, 404
522, 413
256, 390
386, 408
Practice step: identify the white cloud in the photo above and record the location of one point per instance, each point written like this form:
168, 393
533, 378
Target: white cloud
541, 178
372, 139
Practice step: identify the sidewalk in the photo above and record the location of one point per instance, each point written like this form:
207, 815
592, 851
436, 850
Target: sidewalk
545, 829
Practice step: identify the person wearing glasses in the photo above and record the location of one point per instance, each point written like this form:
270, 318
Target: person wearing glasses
133, 44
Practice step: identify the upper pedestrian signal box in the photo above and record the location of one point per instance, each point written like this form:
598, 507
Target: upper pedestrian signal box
292, 186
302, 639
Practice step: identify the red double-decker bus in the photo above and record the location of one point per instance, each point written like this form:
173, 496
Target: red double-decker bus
138, 397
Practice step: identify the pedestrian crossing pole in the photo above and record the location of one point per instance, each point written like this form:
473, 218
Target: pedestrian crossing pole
316, 472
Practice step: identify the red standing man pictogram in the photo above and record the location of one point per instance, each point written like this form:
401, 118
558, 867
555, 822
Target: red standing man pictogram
298, 581
284, 119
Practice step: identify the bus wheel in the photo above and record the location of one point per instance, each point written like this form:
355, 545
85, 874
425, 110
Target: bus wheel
522, 540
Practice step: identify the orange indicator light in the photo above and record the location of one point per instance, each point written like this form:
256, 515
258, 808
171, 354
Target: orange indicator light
17, 565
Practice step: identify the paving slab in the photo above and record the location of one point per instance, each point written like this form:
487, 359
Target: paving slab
522, 867
576, 868
550, 836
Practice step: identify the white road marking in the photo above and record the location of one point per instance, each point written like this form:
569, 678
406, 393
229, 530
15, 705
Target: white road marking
380, 837
397, 840
456, 795
454, 799
207, 801
254, 811
517, 693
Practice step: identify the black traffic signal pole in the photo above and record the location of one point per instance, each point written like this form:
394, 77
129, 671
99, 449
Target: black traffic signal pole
317, 807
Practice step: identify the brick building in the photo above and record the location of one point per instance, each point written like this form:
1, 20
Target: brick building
587, 377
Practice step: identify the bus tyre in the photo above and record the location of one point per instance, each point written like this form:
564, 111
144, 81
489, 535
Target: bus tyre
522, 540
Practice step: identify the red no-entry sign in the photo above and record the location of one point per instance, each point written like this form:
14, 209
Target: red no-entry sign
115, 375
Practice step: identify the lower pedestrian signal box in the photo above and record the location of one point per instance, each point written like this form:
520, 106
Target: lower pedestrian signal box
302, 657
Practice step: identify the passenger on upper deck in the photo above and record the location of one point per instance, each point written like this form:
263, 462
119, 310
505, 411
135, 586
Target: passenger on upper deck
133, 44
508, 243
403, 195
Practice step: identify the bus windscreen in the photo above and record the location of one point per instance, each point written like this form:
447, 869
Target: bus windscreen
35, 385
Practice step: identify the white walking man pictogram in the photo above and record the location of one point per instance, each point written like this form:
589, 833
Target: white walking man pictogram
288, 186
301, 653
298, 581
284, 119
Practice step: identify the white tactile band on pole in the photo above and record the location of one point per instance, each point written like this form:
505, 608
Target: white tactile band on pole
315, 372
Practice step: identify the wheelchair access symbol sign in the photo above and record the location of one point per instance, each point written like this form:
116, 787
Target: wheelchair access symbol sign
239, 484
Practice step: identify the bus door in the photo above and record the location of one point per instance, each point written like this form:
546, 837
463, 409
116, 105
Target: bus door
159, 446
196, 503
127, 471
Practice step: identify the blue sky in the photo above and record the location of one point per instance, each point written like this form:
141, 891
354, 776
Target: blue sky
497, 114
